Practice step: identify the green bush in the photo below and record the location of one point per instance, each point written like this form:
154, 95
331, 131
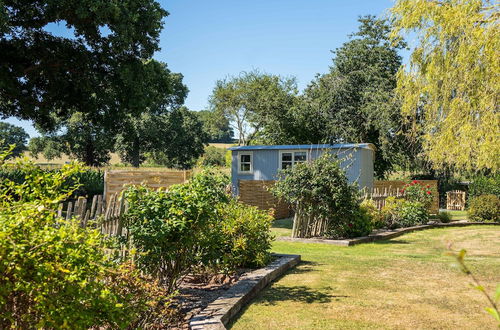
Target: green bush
245, 236
400, 213
444, 217
484, 208
213, 156
484, 185
172, 229
324, 201
55, 274
376, 217
417, 191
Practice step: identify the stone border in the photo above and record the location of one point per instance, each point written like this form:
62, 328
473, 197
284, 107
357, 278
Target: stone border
220, 312
382, 235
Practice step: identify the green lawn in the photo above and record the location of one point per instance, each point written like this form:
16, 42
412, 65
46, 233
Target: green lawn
407, 282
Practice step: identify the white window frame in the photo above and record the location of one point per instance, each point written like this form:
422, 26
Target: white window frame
243, 153
280, 161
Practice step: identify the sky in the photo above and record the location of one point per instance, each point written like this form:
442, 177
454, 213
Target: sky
209, 40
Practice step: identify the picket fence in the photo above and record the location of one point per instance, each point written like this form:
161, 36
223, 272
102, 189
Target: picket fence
107, 216
379, 195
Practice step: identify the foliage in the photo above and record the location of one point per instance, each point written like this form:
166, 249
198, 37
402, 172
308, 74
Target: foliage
213, 156
245, 237
13, 135
417, 191
450, 87
50, 147
96, 66
256, 103
484, 185
400, 213
492, 300
180, 140
216, 126
172, 228
354, 101
376, 217
444, 217
484, 208
55, 274
319, 191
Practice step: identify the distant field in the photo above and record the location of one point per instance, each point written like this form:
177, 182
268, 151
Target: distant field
115, 159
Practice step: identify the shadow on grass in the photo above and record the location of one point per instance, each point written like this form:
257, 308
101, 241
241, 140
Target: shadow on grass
303, 267
299, 293
283, 223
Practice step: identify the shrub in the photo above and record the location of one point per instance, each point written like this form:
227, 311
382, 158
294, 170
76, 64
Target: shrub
484, 208
55, 274
323, 200
376, 216
213, 157
444, 217
89, 182
245, 237
484, 185
416, 191
400, 212
171, 229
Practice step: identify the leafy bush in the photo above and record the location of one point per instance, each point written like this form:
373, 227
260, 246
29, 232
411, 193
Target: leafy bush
376, 217
444, 217
484, 208
245, 237
213, 157
417, 191
400, 212
171, 229
324, 201
484, 185
55, 274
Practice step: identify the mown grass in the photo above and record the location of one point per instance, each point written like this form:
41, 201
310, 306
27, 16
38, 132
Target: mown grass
408, 282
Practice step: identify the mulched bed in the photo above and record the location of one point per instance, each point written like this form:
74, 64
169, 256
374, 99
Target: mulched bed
195, 294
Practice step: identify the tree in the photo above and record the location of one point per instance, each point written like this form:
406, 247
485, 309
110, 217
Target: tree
46, 78
449, 89
354, 101
11, 134
252, 101
217, 126
149, 130
181, 139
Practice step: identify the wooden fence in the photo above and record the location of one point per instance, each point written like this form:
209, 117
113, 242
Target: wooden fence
392, 188
115, 180
256, 193
107, 216
455, 200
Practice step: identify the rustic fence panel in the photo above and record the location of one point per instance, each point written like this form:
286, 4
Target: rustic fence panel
394, 186
455, 200
256, 193
115, 180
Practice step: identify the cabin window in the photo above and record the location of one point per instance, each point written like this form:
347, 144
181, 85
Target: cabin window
289, 158
245, 162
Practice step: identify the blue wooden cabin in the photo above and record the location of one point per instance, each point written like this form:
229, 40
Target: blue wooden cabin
264, 162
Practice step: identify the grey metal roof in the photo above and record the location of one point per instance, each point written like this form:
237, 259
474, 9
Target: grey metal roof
307, 146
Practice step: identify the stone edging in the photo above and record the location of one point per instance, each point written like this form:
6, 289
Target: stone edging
383, 235
218, 313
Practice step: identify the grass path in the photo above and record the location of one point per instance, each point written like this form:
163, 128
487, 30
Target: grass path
405, 283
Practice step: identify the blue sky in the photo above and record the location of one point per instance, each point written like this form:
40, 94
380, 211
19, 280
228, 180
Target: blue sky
208, 40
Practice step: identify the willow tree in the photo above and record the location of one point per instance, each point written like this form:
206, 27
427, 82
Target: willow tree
450, 87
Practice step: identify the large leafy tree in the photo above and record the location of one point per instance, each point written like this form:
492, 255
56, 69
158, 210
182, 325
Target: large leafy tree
181, 139
217, 126
12, 134
354, 101
47, 78
450, 89
255, 103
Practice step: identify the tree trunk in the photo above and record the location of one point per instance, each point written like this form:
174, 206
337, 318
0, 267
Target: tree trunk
135, 159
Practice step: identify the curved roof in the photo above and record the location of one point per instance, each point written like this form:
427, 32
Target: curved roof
307, 146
